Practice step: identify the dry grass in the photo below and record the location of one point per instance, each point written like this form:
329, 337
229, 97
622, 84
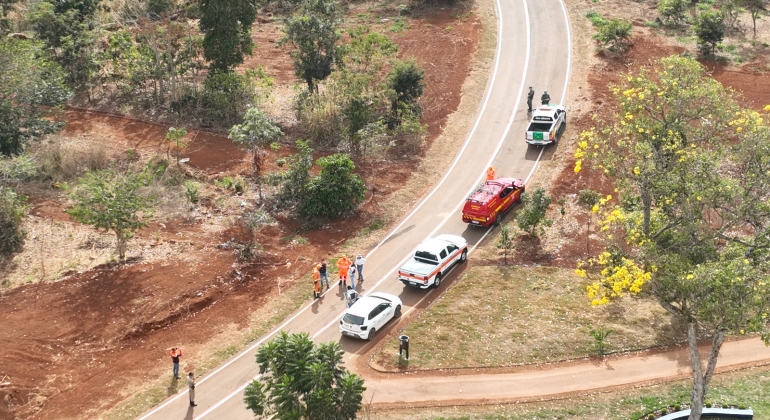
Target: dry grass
507, 316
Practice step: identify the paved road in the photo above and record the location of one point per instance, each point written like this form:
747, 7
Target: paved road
533, 50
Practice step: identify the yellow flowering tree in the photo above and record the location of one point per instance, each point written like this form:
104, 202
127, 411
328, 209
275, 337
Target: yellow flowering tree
690, 226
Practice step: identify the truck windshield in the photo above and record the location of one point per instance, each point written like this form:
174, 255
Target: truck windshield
426, 257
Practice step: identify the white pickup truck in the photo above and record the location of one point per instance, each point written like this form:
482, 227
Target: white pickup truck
433, 259
547, 124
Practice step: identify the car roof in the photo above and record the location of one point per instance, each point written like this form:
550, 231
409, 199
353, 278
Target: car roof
490, 189
365, 304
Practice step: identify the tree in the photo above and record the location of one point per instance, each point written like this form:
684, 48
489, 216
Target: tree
336, 190
226, 25
314, 35
710, 29
31, 90
506, 240
692, 172
406, 82
111, 201
614, 34
5, 7
175, 136
12, 210
755, 8
295, 180
673, 11
532, 215
303, 380
256, 132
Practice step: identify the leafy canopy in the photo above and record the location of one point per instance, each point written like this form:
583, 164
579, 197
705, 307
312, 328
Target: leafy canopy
710, 30
226, 25
336, 190
111, 201
314, 34
303, 380
692, 171
532, 217
31, 88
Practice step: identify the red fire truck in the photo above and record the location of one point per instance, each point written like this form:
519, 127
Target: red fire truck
491, 200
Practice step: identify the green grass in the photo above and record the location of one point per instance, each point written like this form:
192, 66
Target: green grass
496, 309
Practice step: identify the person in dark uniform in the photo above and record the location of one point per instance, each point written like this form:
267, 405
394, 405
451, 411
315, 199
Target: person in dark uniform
546, 98
530, 96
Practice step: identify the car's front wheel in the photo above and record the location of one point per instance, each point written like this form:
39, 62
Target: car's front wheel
371, 335
464, 256
397, 312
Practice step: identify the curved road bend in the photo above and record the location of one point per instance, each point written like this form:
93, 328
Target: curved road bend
525, 57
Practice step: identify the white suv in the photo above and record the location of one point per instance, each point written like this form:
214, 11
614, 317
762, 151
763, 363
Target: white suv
369, 314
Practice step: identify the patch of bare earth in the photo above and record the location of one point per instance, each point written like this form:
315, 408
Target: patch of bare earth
75, 346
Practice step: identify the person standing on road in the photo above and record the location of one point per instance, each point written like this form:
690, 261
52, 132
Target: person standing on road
491, 174
343, 265
360, 261
351, 296
316, 282
175, 353
324, 274
530, 96
546, 98
191, 385
352, 274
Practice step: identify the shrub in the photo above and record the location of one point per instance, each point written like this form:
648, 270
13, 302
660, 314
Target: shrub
336, 190
614, 34
12, 211
588, 198
673, 11
405, 80
533, 214
321, 117
191, 192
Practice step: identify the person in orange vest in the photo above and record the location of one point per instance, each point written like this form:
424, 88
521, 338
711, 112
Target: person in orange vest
343, 265
316, 282
491, 174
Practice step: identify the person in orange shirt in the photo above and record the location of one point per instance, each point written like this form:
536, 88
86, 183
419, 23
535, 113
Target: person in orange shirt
343, 265
316, 282
175, 353
491, 174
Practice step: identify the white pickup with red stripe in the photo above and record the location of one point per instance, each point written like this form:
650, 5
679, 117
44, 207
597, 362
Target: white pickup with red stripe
433, 259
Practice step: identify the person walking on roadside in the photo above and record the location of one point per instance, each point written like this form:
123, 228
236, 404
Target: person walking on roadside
546, 98
316, 282
324, 274
351, 296
530, 97
360, 261
343, 265
191, 385
175, 353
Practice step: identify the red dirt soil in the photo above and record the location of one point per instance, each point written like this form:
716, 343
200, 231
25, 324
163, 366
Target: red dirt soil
70, 346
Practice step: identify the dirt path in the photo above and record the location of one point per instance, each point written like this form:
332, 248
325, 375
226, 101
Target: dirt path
558, 380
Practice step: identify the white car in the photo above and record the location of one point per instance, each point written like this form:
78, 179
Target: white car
369, 314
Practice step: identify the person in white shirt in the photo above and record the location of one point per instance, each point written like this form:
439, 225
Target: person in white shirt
351, 296
360, 260
191, 385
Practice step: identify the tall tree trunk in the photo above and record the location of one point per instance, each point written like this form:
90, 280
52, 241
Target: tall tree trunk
701, 380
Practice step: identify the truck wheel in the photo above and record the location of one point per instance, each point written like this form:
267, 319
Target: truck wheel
464, 256
397, 312
437, 282
371, 335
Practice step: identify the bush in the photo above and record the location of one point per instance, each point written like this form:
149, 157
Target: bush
673, 11
321, 117
588, 198
533, 214
60, 162
191, 192
336, 190
405, 80
12, 211
614, 34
